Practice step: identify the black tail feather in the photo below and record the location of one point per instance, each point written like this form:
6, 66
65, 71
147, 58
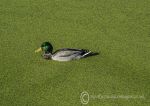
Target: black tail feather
87, 53
92, 54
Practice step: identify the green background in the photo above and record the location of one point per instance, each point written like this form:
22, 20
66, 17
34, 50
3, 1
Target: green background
118, 29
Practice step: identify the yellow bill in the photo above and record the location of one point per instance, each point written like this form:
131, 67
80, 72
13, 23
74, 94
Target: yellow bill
38, 50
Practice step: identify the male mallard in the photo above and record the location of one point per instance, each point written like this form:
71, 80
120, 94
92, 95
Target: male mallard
65, 54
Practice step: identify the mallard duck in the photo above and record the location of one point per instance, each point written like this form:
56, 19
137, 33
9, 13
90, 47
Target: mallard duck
65, 54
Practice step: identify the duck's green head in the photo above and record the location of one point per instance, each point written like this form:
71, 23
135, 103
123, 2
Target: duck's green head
46, 47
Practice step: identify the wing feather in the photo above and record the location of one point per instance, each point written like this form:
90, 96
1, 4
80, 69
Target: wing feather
67, 52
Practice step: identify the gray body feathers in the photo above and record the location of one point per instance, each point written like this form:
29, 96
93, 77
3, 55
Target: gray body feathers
68, 54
